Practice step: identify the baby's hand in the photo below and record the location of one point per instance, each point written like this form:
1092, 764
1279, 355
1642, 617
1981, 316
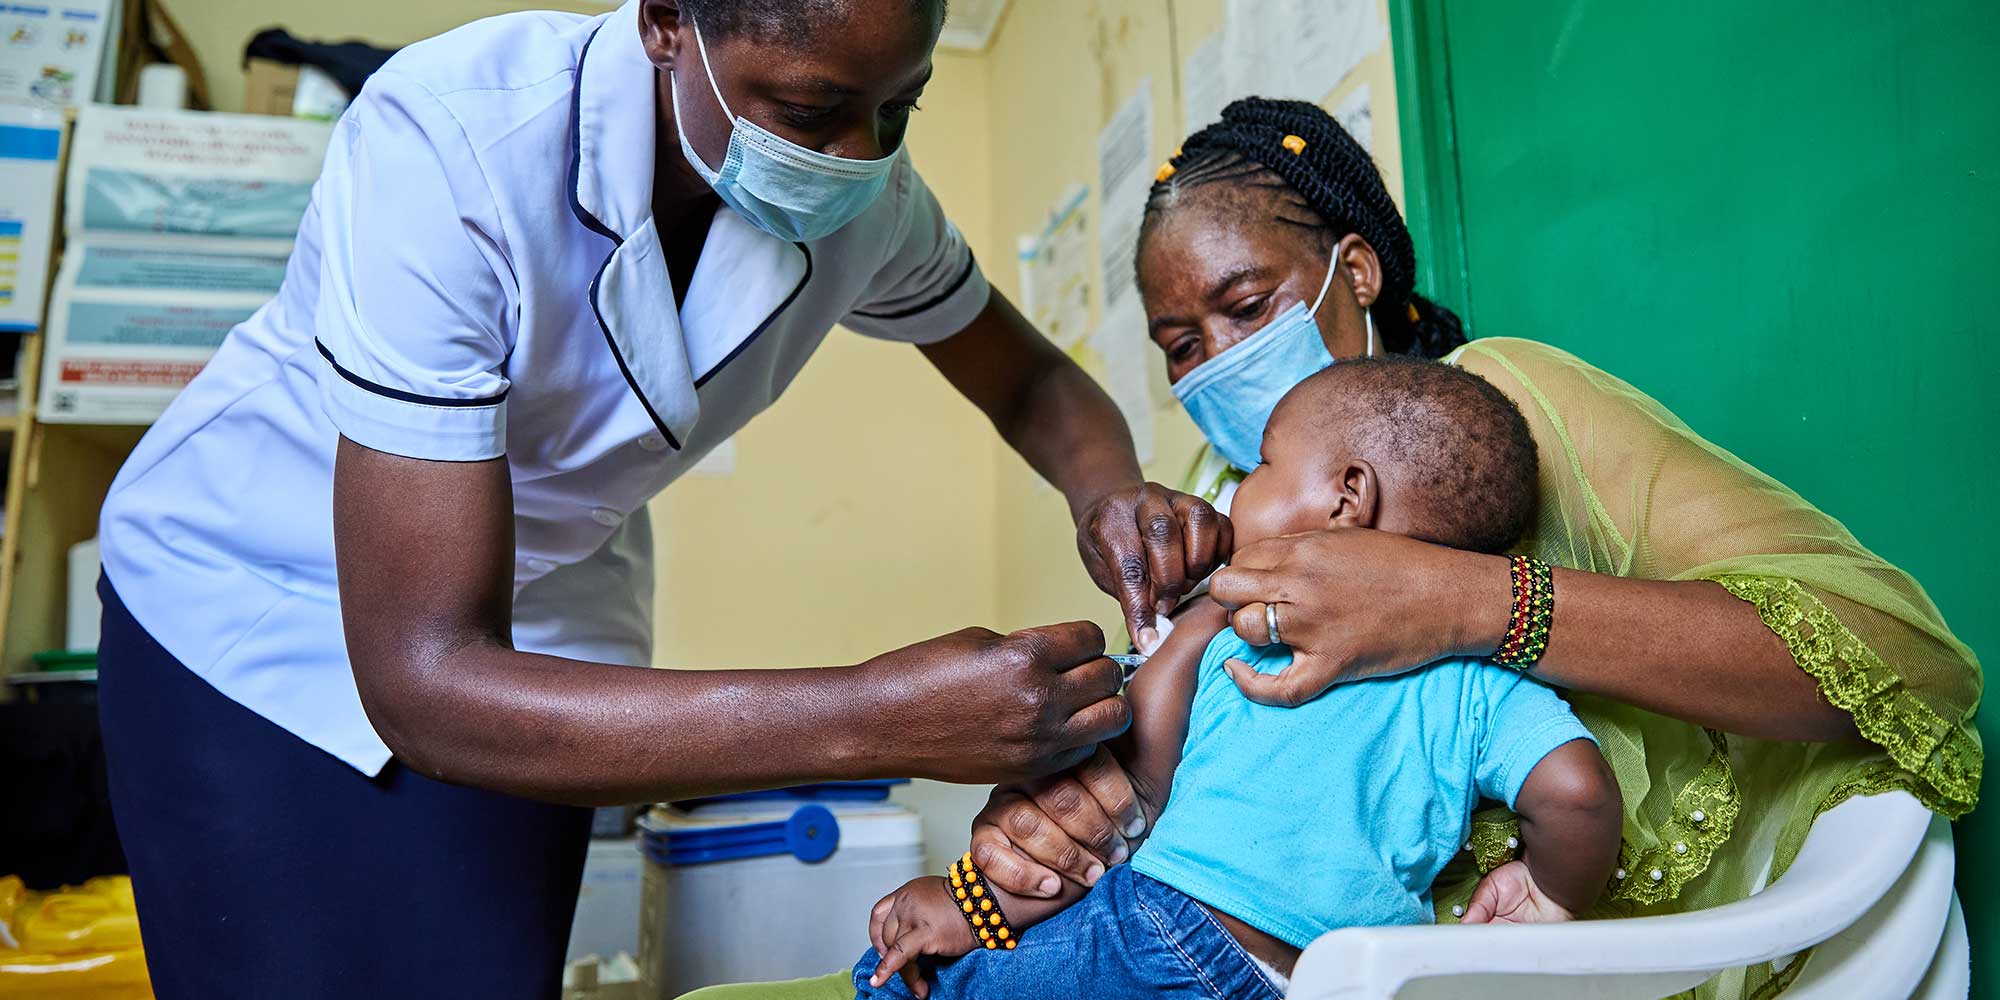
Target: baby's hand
1508, 895
918, 919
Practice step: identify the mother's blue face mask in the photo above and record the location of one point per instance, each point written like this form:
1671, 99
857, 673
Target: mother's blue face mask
793, 193
1231, 396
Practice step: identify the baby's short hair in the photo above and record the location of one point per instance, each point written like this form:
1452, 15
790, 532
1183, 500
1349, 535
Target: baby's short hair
1458, 441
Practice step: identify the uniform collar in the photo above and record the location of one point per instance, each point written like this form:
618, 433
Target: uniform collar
745, 276
611, 165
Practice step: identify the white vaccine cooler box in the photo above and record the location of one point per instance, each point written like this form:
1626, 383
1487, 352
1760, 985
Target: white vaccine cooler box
768, 885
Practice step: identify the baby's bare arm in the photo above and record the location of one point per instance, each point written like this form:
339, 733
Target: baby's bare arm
1571, 818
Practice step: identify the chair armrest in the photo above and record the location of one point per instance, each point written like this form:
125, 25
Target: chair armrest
1851, 857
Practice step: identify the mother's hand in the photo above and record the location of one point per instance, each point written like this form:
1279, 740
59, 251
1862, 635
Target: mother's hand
1355, 603
1148, 546
1069, 825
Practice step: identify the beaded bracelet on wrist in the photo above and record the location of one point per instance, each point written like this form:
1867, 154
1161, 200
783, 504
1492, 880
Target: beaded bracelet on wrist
1534, 608
977, 905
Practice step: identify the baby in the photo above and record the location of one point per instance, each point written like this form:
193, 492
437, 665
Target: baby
1286, 823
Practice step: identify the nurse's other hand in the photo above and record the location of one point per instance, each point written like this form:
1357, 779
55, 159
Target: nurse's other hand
1147, 546
1356, 603
977, 707
1069, 825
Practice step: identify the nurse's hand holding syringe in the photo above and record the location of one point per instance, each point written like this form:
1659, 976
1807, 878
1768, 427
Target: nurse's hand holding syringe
426, 573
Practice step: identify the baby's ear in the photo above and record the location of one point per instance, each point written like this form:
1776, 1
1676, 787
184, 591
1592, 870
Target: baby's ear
1355, 495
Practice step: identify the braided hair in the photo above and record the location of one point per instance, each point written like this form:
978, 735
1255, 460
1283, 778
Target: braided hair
1299, 150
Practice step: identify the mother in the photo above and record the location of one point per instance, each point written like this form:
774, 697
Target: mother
1745, 662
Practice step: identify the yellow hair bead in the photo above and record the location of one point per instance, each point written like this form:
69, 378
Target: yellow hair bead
1414, 318
1295, 144
1166, 170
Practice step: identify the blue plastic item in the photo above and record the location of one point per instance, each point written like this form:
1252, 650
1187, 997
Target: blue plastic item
810, 834
827, 791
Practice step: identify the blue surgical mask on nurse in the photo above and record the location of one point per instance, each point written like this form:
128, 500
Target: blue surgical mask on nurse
1231, 396
791, 192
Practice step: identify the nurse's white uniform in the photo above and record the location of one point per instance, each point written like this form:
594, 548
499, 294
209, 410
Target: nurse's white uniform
479, 276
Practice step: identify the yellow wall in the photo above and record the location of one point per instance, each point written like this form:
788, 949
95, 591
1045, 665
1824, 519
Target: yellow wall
218, 29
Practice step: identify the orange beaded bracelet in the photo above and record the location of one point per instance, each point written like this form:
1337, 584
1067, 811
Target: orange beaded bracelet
980, 909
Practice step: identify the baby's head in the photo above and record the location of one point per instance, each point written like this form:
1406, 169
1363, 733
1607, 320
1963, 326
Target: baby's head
1413, 447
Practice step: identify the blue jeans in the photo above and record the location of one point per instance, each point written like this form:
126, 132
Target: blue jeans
1131, 936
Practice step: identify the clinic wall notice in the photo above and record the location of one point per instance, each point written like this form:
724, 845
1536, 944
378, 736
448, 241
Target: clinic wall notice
180, 224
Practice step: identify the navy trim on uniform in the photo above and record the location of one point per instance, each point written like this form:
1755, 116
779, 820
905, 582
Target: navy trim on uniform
576, 149
407, 397
963, 277
592, 223
761, 327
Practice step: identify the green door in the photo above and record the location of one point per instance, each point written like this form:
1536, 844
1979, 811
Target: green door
1779, 217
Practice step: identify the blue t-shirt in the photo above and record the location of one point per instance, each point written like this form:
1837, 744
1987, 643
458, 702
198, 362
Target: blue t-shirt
1341, 812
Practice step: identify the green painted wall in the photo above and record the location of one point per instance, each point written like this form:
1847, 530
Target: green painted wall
1781, 218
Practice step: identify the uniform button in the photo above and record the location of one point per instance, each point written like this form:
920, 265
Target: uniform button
606, 516
541, 565
653, 442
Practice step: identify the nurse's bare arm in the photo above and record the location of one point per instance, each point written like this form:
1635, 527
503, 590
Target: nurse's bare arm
425, 552
921, 917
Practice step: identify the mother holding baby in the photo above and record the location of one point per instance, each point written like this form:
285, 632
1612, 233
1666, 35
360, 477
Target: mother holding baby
1743, 661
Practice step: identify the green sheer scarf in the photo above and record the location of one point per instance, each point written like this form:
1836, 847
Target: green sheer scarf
1627, 489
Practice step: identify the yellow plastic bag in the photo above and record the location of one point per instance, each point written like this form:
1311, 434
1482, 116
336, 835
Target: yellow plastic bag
79, 941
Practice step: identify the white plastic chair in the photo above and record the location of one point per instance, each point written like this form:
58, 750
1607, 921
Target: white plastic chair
1870, 892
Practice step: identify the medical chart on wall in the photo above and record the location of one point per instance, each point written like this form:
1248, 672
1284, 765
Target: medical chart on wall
30, 142
1297, 49
52, 51
1128, 359
1204, 85
720, 461
1056, 269
179, 226
1354, 114
1125, 169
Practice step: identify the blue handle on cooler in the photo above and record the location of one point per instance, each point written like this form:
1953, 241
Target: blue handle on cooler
811, 835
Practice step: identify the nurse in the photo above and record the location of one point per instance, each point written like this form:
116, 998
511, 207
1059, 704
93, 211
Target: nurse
376, 582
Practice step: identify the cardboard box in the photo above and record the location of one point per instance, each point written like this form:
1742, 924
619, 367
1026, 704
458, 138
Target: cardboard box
275, 88
269, 87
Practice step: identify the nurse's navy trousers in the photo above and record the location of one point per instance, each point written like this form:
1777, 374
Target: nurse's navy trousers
266, 867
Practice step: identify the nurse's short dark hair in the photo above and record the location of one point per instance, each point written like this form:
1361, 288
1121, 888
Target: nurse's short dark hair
1458, 445
785, 22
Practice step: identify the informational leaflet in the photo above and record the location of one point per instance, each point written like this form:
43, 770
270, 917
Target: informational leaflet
52, 51
1124, 174
1056, 270
1128, 357
1297, 49
30, 144
179, 226
1355, 115
1204, 85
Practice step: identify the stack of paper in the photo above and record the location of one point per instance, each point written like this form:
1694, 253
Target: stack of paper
179, 224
